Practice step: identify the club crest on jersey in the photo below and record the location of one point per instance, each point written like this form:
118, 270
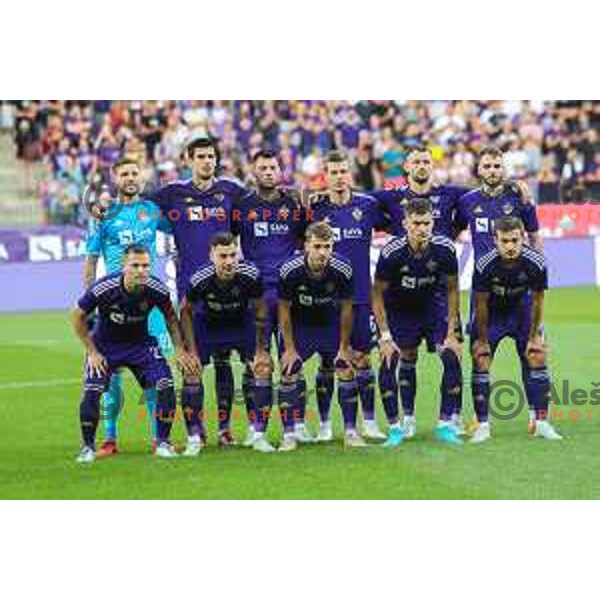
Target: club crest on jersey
431, 265
143, 306
507, 208
434, 199
357, 214
404, 269
189, 200
478, 210
219, 197
522, 277
330, 287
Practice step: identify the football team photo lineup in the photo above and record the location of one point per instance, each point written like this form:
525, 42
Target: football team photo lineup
328, 279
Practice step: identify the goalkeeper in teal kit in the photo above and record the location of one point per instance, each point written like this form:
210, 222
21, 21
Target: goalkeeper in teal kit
135, 222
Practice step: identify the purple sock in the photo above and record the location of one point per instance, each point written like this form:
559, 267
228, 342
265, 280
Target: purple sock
480, 389
89, 410
388, 389
325, 382
365, 380
166, 405
224, 385
407, 382
539, 391
263, 400
451, 386
192, 403
348, 399
287, 405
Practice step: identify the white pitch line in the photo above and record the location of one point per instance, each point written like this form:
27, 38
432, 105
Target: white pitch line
12, 385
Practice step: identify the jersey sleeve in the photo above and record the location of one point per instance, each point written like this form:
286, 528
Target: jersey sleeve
93, 240
346, 284
198, 284
449, 261
538, 271
481, 278
285, 288
253, 285
162, 298
529, 217
89, 301
383, 268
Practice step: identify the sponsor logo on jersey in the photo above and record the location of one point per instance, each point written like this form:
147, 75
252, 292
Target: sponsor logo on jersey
261, 229
409, 282
482, 225
357, 214
354, 233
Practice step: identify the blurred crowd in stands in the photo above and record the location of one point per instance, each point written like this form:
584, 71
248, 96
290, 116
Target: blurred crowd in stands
554, 145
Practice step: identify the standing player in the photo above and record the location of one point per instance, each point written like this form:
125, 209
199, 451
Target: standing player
136, 223
495, 198
315, 316
121, 339
509, 284
409, 272
198, 209
353, 218
445, 201
271, 225
420, 184
230, 315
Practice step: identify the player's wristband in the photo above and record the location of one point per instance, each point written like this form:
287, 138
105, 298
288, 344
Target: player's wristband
385, 336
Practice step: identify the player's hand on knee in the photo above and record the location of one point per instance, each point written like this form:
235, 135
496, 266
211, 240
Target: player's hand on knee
188, 362
261, 365
482, 355
290, 362
388, 351
536, 353
96, 364
343, 359
453, 343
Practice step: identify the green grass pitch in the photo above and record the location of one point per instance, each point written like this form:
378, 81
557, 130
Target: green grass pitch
39, 395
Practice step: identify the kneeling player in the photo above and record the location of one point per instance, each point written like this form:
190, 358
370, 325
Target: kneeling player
120, 339
509, 283
229, 316
411, 271
315, 317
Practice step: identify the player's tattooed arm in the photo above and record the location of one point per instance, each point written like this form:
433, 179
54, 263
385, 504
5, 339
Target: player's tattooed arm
482, 343
453, 313
89, 270
262, 359
290, 355
387, 347
537, 316
96, 362
346, 320
187, 361
535, 240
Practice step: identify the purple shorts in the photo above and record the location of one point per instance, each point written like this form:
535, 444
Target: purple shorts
212, 341
409, 329
515, 324
145, 361
324, 341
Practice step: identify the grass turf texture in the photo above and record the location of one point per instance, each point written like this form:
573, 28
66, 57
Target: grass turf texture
40, 390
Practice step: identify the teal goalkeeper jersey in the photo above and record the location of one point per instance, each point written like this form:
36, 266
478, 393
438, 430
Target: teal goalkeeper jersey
136, 223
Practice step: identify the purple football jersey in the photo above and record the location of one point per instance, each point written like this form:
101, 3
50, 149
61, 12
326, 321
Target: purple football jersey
353, 225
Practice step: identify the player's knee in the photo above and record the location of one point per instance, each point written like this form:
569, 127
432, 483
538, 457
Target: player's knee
361, 360
409, 355
536, 359
344, 374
